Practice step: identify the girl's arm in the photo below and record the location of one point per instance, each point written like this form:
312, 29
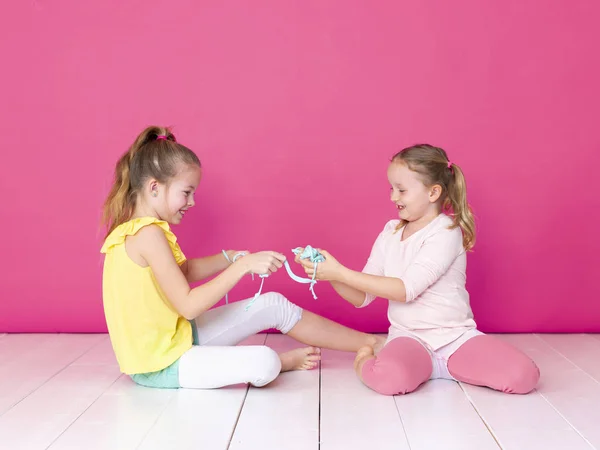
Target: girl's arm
433, 260
198, 269
353, 285
190, 303
376, 285
348, 293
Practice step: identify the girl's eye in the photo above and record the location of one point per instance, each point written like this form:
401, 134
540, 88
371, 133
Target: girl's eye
186, 193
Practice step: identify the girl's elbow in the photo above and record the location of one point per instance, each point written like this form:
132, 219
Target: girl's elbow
191, 313
185, 310
188, 306
399, 294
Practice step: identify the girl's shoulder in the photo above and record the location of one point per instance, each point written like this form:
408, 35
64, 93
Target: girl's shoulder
391, 226
443, 229
131, 228
389, 229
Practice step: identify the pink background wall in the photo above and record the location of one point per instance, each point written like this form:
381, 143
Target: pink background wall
294, 109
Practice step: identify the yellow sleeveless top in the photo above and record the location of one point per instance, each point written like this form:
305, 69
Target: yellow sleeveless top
146, 332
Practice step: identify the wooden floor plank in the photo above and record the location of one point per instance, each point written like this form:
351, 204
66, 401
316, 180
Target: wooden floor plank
353, 417
18, 346
200, 418
64, 388
128, 416
100, 353
442, 405
52, 353
118, 419
54, 406
283, 414
58, 402
581, 349
594, 335
569, 389
530, 421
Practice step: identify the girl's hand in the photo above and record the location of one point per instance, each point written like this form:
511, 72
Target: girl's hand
328, 270
262, 263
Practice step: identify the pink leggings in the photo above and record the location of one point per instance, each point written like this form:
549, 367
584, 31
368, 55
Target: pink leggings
404, 364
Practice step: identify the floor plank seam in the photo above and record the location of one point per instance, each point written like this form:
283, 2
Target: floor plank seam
237, 420
100, 342
264, 342
46, 381
320, 390
487, 425
567, 358
554, 389
82, 413
565, 419
158, 416
401, 421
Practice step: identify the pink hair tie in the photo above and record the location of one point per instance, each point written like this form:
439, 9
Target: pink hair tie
161, 137
449, 165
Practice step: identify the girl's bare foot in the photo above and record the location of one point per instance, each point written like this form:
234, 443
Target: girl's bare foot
377, 344
362, 355
300, 359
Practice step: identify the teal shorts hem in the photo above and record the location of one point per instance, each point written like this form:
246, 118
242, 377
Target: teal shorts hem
167, 378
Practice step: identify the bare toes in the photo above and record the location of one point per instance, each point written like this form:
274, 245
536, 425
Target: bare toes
309, 365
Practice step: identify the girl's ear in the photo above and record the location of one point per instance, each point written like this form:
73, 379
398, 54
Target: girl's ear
435, 193
153, 188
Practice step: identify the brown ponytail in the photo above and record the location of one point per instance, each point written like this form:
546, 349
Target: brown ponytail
433, 165
156, 154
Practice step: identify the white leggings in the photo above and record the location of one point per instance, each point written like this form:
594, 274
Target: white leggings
216, 362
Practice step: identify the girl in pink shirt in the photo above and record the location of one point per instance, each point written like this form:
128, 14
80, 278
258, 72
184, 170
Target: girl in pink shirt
419, 264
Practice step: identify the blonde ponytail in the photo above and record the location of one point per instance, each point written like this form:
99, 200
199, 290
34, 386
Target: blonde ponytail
461, 211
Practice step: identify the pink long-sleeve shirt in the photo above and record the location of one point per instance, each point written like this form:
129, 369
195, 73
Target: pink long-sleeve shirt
432, 264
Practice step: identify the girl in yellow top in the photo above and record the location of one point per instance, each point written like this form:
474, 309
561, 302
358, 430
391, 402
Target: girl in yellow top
163, 332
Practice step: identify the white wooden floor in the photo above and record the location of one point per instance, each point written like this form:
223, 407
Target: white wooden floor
63, 391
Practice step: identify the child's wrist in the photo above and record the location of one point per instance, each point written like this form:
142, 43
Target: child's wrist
241, 267
341, 275
226, 255
230, 255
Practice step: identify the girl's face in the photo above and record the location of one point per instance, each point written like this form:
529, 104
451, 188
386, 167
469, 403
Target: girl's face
172, 201
412, 198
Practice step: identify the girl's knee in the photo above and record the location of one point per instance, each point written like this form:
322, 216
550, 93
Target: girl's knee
520, 374
281, 314
488, 361
267, 366
523, 377
393, 377
273, 299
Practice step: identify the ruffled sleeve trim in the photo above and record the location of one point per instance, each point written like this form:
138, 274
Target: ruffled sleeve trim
130, 228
